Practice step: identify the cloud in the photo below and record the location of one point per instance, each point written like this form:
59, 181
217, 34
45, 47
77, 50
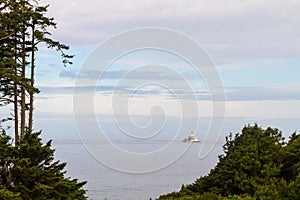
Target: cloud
125, 74
135, 92
268, 109
273, 92
263, 93
251, 27
70, 89
249, 34
93, 74
68, 74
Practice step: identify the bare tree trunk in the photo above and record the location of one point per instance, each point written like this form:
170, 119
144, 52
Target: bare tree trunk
30, 118
16, 113
23, 96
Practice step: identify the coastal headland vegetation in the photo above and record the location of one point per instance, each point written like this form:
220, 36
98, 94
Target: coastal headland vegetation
257, 164
28, 169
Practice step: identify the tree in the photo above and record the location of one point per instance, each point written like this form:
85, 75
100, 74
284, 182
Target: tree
30, 172
39, 25
27, 168
24, 25
251, 159
291, 159
8, 195
257, 164
7, 60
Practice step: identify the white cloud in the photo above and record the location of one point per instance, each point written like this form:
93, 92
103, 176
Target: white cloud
236, 24
238, 34
103, 104
264, 109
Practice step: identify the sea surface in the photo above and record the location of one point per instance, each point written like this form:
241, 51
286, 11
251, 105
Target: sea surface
162, 173
107, 183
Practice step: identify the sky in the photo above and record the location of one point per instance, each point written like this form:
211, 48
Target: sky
254, 45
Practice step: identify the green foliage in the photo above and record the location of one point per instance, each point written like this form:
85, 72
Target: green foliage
251, 159
8, 195
29, 171
291, 159
239, 197
23, 26
257, 164
204, 196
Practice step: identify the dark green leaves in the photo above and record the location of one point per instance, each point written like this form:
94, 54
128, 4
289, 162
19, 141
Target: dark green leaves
257, 164
28, 171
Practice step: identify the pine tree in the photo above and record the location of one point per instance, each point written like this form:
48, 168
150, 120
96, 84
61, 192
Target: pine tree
27, 168
30, 172
24, 25
256, 164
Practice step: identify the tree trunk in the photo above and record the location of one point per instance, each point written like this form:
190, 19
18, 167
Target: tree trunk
30, 118
23, 76
16, 113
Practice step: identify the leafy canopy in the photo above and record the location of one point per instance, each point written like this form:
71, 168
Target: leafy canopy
256, 163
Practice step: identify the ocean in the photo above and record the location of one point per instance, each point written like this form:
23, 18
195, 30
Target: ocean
111, 175
107, 183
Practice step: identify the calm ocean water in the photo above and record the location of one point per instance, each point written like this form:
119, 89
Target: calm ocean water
107, 183
104, 182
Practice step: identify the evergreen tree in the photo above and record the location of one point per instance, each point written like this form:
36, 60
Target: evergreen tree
251, 159
30, 172
27, 168
24, 25
291, 159
257, 164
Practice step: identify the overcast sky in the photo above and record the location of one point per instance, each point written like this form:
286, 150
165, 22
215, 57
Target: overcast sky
255, 45
250, 41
